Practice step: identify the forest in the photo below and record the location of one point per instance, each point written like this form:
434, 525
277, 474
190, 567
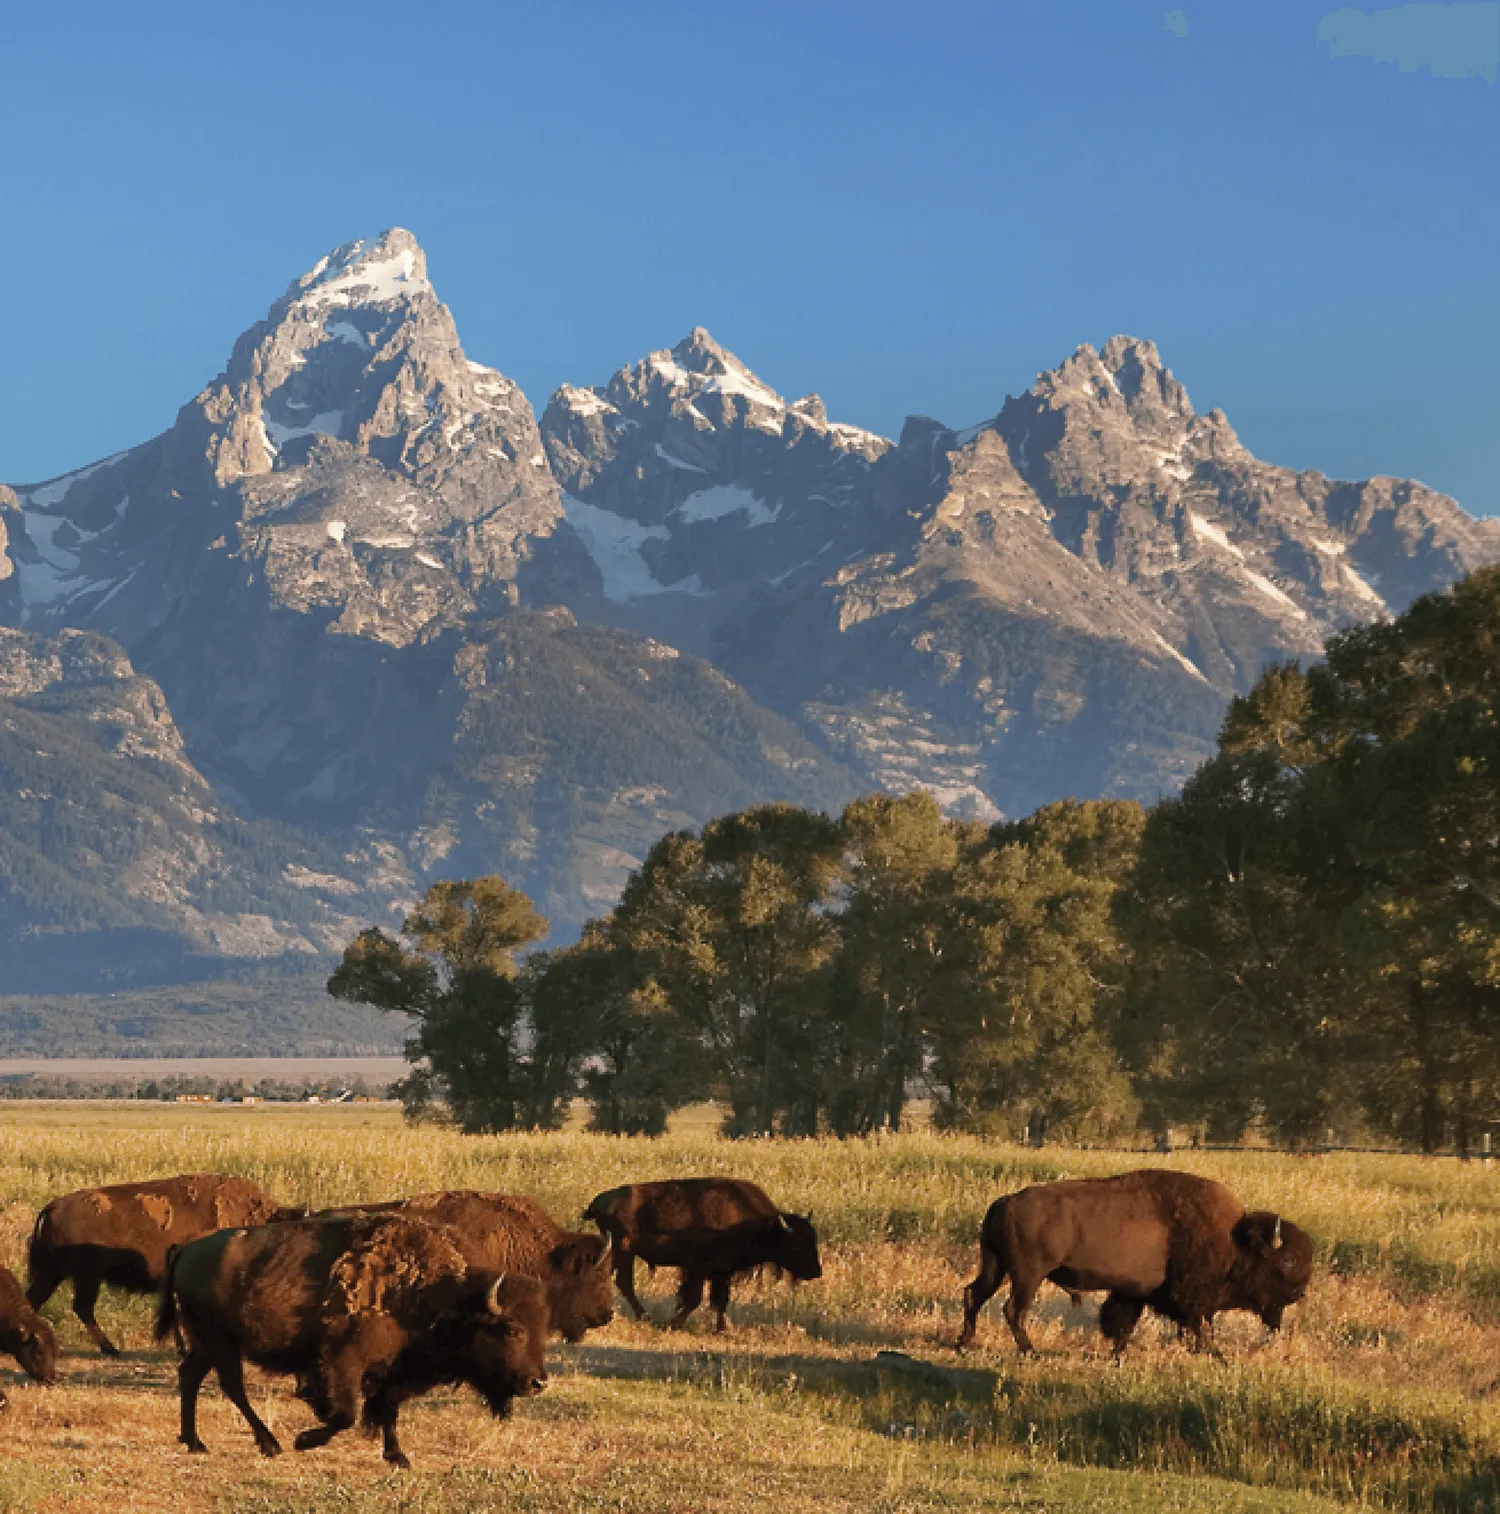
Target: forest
1302, 944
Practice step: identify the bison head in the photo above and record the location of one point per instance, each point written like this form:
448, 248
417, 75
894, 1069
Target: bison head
580, 1291
505, 1358
794, 1245
36, 1349
1276, 1264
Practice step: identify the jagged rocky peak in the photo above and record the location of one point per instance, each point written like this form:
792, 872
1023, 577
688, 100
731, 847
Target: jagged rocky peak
351, 457
704, 384
392, 267
359, 348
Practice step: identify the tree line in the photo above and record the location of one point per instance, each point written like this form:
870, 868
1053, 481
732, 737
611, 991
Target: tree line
1303, 940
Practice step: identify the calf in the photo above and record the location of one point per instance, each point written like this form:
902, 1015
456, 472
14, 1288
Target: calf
1181, 1245
121, 1235
713, 1229
368, 1311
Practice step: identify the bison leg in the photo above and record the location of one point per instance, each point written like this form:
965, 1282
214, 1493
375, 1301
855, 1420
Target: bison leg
689, 1296
624, 1268
1118, 1317
85, 1296
320, 1435
337, 1399
979, 1293
232, 1380
381, 1411
718, 1296
191, 1371
1022, 1295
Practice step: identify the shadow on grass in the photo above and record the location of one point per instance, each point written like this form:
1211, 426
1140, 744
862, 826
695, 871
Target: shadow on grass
1251, 1422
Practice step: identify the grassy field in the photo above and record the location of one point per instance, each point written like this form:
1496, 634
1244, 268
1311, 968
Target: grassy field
1382, 1392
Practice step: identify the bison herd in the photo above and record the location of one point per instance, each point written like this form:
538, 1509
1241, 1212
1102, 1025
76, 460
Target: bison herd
370, 1305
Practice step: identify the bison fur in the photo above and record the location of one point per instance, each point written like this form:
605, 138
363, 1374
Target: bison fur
121, 1235
367, 1311
713, 1230
1180, 1245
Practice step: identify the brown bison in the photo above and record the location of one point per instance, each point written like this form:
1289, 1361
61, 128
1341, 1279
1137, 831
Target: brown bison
713, 1229
25, 1334
368, 1311
507, 1232
121, 1235
1182, 1245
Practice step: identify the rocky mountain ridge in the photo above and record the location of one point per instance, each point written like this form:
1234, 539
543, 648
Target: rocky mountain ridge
388, 607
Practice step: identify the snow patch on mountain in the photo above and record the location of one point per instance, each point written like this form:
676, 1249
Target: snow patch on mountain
615, 545
55, 491
727, 499
327, 423
357, 279
1216, 534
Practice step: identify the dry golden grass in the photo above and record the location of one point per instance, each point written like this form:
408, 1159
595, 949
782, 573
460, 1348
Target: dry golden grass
1382, 1390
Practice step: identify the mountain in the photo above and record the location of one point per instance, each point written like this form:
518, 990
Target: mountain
1058, 601
337, 565
119, 863
390, 627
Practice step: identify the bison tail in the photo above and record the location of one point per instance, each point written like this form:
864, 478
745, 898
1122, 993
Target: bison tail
36, 1243
166, 1306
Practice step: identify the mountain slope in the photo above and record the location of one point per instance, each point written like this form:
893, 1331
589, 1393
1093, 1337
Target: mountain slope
118, 862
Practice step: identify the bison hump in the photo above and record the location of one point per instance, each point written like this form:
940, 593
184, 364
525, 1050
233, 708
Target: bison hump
389, 1264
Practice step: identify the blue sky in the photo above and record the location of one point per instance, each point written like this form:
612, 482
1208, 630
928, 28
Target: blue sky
909, 208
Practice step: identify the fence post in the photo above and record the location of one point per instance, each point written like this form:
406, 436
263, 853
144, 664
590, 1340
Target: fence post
1486, 1149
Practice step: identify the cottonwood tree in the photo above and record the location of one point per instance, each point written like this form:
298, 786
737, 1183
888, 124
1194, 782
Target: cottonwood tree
1315, 919
735, 930
453, 971
890, 979
1037, 968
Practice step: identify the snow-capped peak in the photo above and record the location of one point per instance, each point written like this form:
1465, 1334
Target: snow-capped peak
392, 267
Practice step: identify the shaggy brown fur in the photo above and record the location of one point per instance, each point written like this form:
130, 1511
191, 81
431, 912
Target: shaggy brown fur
367, 1311
24, 1333
508, 1232
713, 1229
121, 1235
1179, 1244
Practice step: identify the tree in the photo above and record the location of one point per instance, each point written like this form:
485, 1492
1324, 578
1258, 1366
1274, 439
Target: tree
1037, 968
734, 930
1315, 920
643, 1059
454, 972
888, 981
1236, 980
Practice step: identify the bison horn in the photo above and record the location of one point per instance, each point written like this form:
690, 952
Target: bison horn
492, 1302
1276, 1234
782, 1221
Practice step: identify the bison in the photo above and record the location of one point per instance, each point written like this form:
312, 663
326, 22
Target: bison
506, 1232
121, 1235
25, 1334
368, 1311
1180, 1244
713, 1229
